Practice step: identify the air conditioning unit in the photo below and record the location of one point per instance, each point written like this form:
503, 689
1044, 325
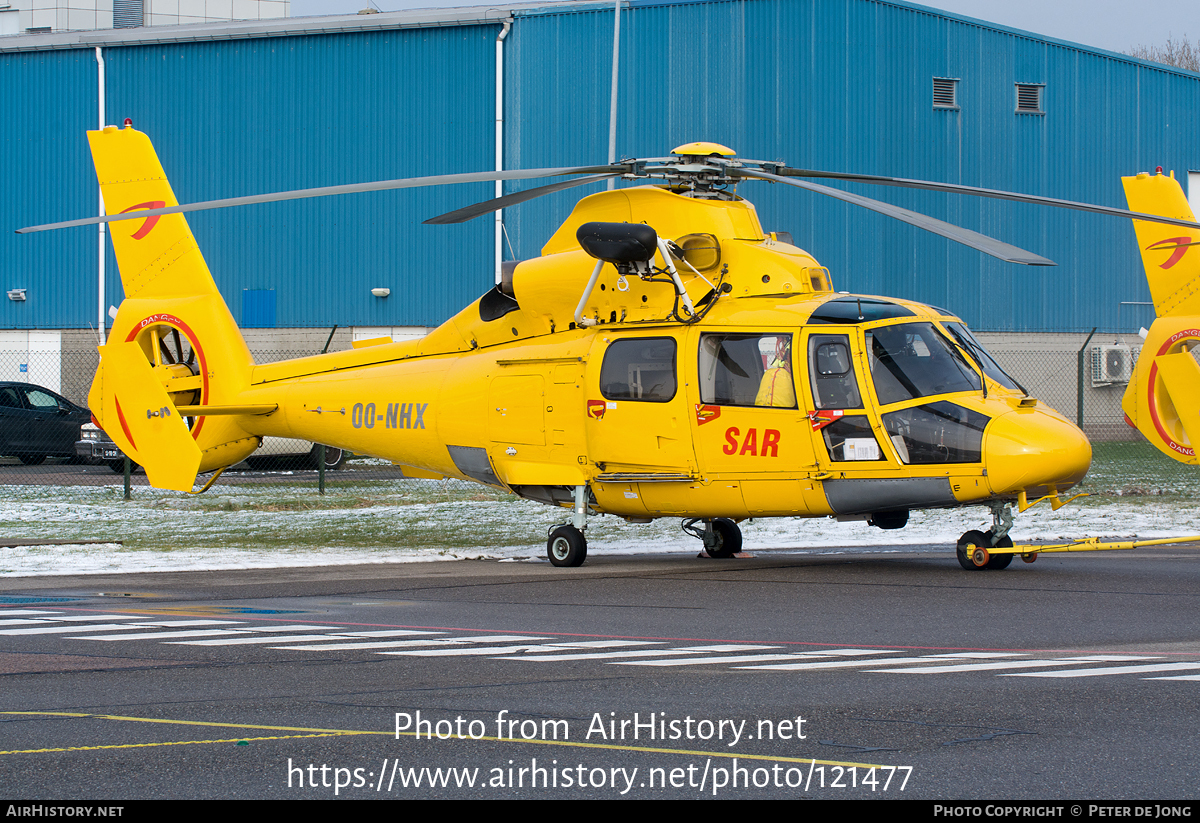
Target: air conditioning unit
1113, 364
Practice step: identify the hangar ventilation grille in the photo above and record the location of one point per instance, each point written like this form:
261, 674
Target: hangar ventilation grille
128, 14
945, 93
1029, 98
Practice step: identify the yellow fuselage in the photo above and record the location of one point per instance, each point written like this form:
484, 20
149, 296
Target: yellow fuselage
519, 400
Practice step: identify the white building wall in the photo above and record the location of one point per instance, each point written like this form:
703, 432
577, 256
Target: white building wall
10, 20
32, 357
18, 16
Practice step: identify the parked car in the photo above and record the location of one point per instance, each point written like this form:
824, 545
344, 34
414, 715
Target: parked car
95, 446
36, 423
281, 452
286, 452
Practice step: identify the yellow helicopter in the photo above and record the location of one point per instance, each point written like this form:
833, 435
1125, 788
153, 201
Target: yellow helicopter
663, 357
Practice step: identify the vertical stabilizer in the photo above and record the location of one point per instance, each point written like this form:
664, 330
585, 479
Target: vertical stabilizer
1163, 396
1171, 255
172, 318
158, 256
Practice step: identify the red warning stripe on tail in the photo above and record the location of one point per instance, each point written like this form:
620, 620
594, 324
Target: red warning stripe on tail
124, 424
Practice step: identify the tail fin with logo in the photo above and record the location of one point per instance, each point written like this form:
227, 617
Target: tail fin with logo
1163, 396
174, 347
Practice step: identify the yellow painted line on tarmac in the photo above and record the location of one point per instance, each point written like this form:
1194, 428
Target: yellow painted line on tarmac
196, 723
355, 732
166, 743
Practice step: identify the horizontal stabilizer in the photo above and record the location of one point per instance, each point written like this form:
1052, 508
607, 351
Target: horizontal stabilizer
135, 411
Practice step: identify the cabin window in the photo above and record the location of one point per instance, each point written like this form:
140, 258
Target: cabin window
831, 368
747, 370
640, 368
936, 433
913, 360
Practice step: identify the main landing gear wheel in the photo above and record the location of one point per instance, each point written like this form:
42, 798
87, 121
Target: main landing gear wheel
726, 540
980, 558
334, 458
567, 546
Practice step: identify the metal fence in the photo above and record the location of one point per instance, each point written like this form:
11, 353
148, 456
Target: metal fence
38, 434
37, 440
1123, 461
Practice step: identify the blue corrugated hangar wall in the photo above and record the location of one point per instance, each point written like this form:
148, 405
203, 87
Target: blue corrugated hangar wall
830, 84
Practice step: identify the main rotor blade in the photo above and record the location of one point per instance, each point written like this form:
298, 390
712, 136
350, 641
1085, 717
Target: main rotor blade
495, 204
996, 194
327, 191
985, 244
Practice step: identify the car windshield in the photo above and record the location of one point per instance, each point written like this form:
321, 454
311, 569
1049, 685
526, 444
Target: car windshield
913, 360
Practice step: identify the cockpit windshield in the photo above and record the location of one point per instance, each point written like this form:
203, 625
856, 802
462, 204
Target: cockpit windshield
986, 362
912, 360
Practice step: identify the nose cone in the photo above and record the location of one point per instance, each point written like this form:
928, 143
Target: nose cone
1034, 450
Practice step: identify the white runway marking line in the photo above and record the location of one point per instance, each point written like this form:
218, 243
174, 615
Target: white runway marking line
887, 661
387, 633
290, 627
45, 621
1156, 667
27, 611
560, 647
162, 635
179, 624
1006, 664
300, 638
847, 652
102, 627
751, 658
635, 653
705, 661
246, 641
391, 644
54, 626
527, 648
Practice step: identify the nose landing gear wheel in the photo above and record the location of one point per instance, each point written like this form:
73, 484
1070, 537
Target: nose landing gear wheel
979, 557
566, 546
1000, 561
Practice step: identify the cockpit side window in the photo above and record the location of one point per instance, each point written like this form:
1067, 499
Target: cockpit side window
831, 368
640, 368
914, 360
